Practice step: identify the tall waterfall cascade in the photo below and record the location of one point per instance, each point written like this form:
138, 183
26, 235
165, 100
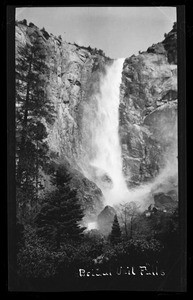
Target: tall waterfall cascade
103, 163
107, 161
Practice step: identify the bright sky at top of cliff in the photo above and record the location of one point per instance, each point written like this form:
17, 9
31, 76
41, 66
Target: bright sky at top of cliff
118, 31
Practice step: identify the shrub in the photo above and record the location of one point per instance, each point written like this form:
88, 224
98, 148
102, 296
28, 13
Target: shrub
35, 260
45, 33
31, 24
135, 250
24, 22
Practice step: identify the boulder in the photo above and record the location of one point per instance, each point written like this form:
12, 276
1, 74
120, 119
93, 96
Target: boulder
105, 219
166, 201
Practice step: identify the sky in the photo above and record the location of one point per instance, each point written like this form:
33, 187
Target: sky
119, 31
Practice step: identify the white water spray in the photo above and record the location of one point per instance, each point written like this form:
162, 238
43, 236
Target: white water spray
107, 162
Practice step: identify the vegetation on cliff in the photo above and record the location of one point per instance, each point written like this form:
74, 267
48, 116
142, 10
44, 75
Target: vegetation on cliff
168, 46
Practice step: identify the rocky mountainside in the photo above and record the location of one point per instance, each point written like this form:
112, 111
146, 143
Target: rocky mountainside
148, 113
74, 72
148, 107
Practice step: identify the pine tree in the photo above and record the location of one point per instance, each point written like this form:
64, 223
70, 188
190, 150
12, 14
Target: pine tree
59, 218
115, 235
32, 107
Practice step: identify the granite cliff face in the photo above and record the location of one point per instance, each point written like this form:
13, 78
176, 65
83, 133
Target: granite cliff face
148, 114
148, 108
74, 72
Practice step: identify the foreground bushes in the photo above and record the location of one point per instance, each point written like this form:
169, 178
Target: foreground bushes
36, 259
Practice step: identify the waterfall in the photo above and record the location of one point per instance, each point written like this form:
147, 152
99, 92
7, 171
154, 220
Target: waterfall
106, 163
102, 162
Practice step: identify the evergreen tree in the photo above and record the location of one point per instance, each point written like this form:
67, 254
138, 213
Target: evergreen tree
115, 235
59, 218
33, 106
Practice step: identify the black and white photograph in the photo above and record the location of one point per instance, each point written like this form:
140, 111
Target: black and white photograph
96, 149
